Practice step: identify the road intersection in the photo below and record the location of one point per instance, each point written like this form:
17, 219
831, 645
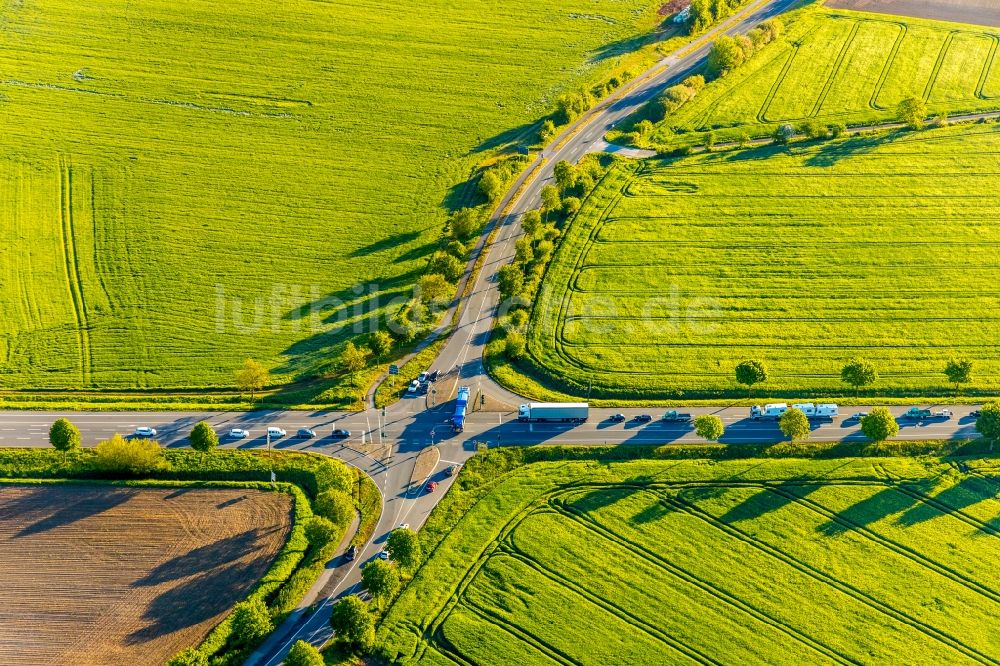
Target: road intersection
385, 444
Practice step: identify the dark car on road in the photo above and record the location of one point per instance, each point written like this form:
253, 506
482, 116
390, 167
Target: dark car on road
450, 470
433, 376
643, 418
306, 433
340, 433
617, 418
351, 553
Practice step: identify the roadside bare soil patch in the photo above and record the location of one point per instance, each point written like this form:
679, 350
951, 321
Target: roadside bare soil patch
101, 575
978, 12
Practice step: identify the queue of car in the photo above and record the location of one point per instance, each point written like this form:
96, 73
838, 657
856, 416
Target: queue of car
274, 432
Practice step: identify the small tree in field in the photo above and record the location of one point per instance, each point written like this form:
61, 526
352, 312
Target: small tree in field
404, 547
795, 424
64, 436
912, 111
879, 425
203, 438
859, 373
988, 423
710, 427
751, 372
303, 654
381, 344
380, 578
958, 372
355, 359
353, 624
252, 377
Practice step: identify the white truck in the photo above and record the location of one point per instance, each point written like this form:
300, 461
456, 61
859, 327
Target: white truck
538, 412
772, 410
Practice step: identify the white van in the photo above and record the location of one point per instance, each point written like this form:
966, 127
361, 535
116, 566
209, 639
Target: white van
274, 432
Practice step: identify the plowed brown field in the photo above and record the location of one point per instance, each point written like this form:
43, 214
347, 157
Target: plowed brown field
103, 575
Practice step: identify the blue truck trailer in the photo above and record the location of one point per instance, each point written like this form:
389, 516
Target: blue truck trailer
461, 405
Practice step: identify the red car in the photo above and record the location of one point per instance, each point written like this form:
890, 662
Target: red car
432, 486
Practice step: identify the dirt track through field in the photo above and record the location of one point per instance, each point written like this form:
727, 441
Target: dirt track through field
977, 12
101, 575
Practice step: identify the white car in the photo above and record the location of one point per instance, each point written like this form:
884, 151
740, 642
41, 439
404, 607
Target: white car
145, 431
274, 432
383, 554
414, 388
239, 433
403, 526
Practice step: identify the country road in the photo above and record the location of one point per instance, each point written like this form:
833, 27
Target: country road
384, 444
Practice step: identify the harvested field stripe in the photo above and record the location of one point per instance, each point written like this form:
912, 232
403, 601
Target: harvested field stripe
519, 632
73, 277
942, 54
987, 66
846, 588
838, 63
606, 605
887, 67
897, 548
704, 585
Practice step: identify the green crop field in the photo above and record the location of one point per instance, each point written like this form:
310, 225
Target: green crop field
883, 247
848, 67
778, 562
185, 184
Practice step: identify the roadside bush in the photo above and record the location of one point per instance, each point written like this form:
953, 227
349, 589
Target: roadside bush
464, 224
203, 438
404, 547
433, 287
189, 657
783, 134
491, 185
381, 578
570, 106
448, 265
251, 622
303, 654
335, 505
515, 345
510, 279
353, 624
134, 457
320, 531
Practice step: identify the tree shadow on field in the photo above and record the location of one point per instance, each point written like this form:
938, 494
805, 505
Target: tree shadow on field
213, 577
829, 154
767, 500
386, 243
37, 512
967, 492
882, 504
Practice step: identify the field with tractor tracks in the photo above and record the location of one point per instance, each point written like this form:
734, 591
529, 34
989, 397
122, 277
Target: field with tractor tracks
882, 247
846, 67
779, 562
185, 184
103, 575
